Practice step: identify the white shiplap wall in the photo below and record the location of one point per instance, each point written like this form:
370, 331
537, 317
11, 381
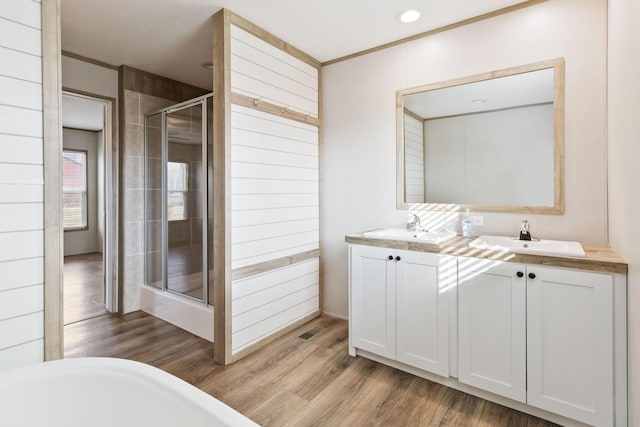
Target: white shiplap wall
414, 159
261, 70
264, 303
274, 183
275, 189
21, 185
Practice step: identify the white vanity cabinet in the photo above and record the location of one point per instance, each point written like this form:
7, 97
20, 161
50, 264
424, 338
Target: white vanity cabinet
424, 283
399, 304
570, 343
373, 300
492, 342
539, 335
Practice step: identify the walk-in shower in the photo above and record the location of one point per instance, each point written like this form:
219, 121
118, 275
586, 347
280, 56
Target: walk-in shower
178, 203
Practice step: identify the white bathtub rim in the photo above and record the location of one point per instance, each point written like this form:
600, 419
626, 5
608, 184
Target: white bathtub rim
148, 373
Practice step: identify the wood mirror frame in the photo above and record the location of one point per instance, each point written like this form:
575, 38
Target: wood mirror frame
558, 145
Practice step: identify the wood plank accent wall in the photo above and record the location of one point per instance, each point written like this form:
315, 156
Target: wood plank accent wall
21, 185
414, 159
274, 181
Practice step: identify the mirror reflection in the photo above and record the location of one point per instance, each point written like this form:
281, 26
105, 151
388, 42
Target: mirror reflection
490, 142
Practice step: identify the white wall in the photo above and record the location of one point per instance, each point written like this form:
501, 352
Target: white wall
624, 173
21, 185
88, 77
359, 171
84, 241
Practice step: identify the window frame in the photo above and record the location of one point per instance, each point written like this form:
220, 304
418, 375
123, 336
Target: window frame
185, 192
85, 227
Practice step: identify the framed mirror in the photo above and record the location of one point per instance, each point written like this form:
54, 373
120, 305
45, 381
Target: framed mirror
491, 142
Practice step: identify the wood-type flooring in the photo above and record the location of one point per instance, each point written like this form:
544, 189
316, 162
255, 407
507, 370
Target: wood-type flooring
83, 287
292, 382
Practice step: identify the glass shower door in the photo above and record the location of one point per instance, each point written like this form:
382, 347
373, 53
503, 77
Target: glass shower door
178, 209
185, 198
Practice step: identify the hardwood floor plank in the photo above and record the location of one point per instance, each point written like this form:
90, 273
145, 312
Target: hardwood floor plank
538, 422
277, 409
261, 373
494, 415
83, 287
418, 405
319, 373
458, 409
376, 399
292, 382
322, 366
338, 397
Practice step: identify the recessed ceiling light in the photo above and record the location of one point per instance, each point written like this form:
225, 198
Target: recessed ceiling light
207, 65
409, 16
478, 101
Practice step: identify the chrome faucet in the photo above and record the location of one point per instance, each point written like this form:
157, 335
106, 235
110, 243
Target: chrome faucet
525, 234
414, 223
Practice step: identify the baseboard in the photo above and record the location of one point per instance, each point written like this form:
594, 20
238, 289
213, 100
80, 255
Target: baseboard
337, 316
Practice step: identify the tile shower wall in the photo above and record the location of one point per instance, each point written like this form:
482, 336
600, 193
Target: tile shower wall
136, 106
138, 100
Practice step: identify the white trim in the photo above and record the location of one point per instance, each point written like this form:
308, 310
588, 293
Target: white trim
110, 202
192, 316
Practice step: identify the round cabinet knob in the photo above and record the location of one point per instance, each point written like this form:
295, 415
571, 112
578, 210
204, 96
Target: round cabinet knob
390, 257
519, 274
398, 258
532, 276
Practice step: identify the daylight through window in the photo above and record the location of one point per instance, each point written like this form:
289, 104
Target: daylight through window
74, 189
177, 183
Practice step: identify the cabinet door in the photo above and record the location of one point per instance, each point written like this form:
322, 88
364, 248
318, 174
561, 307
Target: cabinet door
570, 343
492, 326
423, 283
373, 300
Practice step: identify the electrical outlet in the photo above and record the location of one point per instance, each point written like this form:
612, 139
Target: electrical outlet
477, 220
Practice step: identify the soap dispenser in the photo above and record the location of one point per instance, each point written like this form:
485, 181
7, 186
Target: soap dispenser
467, 225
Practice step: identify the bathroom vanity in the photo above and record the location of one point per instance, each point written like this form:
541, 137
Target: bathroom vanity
541, 334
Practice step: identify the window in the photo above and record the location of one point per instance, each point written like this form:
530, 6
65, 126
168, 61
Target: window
177, 183
74, 189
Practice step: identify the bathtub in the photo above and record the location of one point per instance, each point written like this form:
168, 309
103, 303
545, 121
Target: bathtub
105, 392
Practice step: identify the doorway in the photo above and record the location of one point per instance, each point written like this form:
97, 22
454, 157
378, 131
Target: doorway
88, 220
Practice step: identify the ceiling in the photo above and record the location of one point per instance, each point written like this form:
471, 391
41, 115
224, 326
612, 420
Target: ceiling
517, 90
173, 37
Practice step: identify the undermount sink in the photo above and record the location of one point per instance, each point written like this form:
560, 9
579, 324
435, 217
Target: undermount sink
434, 237
540, 247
